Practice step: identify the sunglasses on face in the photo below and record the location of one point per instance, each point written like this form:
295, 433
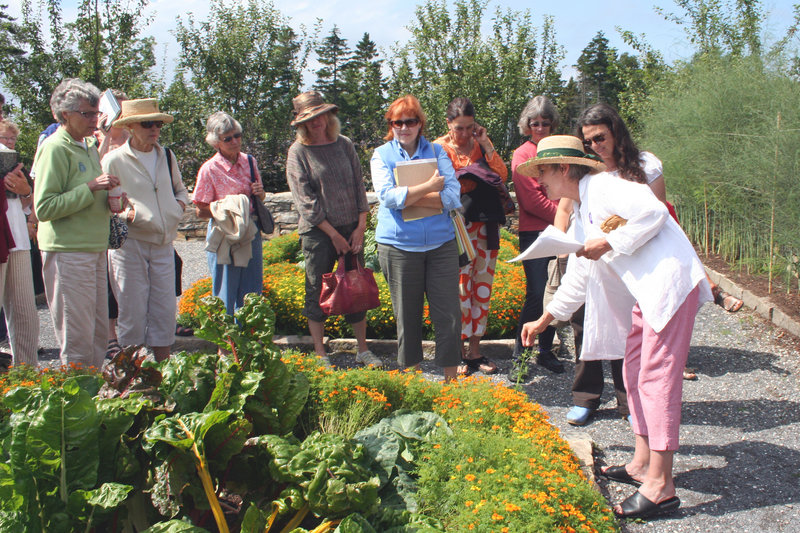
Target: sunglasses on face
229, 138
409, 123
147, 124
539, 124
597, 139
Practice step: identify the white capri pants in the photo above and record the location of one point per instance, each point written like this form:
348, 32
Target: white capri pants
142, 277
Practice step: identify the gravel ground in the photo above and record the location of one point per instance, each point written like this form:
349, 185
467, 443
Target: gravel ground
738, 468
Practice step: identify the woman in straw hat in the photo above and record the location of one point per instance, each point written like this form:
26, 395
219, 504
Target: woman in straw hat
142, 269
630, 241
324, 175
71, 202
419, 256
226, 177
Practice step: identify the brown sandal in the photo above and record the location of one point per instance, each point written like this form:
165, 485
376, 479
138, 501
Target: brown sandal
727, 301
689, 374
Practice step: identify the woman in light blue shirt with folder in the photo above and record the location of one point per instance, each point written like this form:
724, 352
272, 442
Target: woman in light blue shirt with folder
418, 256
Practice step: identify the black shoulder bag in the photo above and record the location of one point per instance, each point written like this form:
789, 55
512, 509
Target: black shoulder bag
264, 220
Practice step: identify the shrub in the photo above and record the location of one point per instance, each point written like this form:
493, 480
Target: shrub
284, 287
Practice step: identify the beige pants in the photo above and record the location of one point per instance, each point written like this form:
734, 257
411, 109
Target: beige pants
143, 280
20, 306
76, 288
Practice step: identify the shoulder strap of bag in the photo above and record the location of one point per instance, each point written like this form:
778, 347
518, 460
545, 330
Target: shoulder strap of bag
168, 153
252, 168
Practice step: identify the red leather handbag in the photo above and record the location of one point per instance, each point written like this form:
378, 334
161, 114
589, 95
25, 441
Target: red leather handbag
345, 292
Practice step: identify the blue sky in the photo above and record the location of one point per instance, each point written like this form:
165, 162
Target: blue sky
576, 21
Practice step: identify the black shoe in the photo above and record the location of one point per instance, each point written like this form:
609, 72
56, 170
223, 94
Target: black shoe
550, 362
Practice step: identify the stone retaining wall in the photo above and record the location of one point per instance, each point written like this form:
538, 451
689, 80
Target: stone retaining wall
282, 208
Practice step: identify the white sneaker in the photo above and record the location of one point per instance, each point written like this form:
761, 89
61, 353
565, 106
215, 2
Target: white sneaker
368, 358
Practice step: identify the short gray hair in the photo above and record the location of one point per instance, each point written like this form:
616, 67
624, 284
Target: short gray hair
538, 106
218, 125
69, 94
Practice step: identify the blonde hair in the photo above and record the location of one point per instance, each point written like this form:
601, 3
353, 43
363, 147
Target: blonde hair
332, 130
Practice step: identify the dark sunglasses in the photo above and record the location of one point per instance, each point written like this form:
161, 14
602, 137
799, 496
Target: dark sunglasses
409, 122
91, 115
539, 124
229, 138
147, 124
597, 139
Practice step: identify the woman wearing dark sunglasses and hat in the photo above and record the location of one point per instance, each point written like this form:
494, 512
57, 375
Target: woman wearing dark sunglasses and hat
142, 269
418, 254
225, 183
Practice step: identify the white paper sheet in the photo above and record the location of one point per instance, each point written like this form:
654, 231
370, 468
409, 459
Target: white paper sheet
550, 242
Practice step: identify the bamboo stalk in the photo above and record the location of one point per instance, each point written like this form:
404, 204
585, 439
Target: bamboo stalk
772, 215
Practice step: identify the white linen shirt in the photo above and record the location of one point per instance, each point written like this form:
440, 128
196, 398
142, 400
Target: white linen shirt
651, 263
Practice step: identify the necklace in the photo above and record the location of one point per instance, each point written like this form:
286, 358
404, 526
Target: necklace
462, 156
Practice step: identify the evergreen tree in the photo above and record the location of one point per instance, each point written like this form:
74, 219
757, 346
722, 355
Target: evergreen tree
334, 55
598, 73
247, 61
363, 99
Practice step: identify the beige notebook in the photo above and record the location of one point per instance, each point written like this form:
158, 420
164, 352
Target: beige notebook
414, 172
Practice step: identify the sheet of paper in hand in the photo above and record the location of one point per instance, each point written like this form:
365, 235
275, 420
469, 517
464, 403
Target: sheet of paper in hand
551, 242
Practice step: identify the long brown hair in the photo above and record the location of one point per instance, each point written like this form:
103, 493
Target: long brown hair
626, 154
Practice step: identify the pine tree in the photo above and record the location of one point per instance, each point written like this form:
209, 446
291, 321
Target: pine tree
334, 55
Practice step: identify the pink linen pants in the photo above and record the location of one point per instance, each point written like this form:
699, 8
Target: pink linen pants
653, 371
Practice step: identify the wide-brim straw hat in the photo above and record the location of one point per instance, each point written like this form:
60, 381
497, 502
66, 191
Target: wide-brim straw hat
557, 149
308, 105
140, 111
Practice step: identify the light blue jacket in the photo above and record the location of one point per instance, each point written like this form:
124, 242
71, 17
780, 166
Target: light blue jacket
414, 235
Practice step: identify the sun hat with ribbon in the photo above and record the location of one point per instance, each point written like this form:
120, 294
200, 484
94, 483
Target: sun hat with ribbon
141, 110
308, 105
557, 149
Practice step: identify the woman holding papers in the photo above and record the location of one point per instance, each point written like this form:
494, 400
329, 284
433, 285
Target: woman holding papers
324, 175
538, 120
416, 240
634, 256
468, 146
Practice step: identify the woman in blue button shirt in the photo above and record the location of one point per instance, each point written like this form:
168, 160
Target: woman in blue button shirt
418, 257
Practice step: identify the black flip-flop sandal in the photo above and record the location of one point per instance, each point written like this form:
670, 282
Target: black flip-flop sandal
620, 475
638, 506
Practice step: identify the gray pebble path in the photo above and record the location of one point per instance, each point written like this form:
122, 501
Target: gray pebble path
738, 468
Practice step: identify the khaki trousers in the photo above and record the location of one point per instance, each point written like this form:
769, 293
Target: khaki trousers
77, 293
19, 303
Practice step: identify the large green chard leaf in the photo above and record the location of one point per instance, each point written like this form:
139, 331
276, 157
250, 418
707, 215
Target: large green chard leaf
279, 400
117, 416
254, 520
188, 381
333, 473
232, 389
62, 439
354, 523
224, 441
170, 478
175, 526
171, 429
84, 505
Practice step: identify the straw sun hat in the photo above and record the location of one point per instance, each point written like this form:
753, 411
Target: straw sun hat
141, 111
308, 105
558, 149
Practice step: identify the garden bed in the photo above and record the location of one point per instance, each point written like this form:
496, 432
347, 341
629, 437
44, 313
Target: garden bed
263, 441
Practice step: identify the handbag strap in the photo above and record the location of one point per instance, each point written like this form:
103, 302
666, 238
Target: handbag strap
252, 168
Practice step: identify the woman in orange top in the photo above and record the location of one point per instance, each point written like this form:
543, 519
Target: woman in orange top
466, 143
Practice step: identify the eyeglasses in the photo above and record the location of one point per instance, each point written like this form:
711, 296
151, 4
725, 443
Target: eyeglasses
147, 124
7, 138
91, 115
539, 124
459, 129
597, 139
409, 123
229, 138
